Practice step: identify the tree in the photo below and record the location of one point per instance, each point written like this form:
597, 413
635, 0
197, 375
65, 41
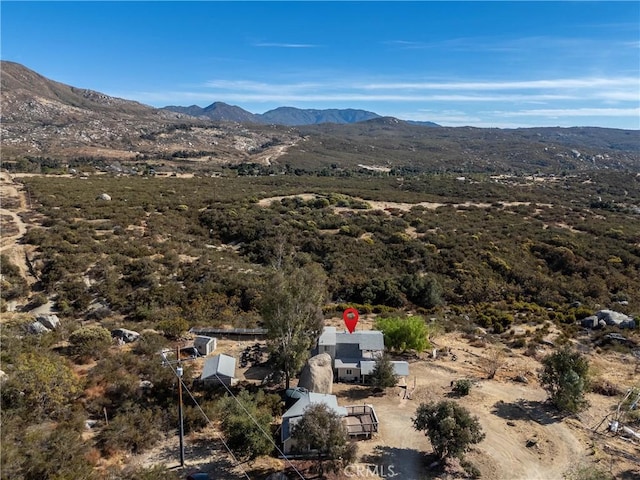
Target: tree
292, 314
53, 450
383, 375
90, 341
41, 384
402, 334
565, 377
321, 430
247, 439
449, 426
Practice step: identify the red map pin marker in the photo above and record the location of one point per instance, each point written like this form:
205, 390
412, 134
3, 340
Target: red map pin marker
350, 317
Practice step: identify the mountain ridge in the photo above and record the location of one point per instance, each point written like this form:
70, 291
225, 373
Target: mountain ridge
44, 119
289, 116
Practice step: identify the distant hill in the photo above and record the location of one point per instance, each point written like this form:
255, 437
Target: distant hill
297, 116
43, 119
290, 116
48, 98
218, 111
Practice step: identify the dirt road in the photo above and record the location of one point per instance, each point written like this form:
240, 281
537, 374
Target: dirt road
12, 227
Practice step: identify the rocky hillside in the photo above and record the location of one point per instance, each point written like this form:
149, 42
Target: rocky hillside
41, 117
44, 119
218, 111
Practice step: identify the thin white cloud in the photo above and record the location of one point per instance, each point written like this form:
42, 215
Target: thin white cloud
563, 83
573, 112
285, 45
261, 87
296, 96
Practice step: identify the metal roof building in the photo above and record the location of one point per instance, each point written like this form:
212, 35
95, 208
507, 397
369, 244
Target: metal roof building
219, 368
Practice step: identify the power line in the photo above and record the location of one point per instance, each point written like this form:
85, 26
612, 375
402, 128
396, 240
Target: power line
269, 437
261, 429
237, 462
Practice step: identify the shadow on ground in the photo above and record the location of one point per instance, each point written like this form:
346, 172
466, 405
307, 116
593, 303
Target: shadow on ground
540, 412
358, 392
398, 463
257, 372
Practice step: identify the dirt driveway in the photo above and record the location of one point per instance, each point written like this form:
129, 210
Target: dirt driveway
522, 441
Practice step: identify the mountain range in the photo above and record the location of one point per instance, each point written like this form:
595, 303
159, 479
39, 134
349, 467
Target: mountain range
290, 116
42, 118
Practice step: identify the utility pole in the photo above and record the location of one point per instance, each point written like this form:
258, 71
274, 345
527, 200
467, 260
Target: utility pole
179, 372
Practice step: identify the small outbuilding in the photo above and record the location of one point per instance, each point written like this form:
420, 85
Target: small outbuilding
205, 345
219, 369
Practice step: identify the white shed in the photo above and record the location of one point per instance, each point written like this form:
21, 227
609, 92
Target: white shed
205, 345
219, 368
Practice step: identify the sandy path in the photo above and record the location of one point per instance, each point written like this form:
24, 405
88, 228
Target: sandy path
13, 203
383, 205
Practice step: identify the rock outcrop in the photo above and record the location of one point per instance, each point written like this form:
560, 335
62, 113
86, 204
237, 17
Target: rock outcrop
317, 374
49, 321
603, 318
618, 319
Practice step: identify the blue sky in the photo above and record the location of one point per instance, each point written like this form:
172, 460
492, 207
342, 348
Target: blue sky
494, 64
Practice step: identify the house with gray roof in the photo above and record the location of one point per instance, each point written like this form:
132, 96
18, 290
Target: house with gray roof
360, 421
219, 369
354, 354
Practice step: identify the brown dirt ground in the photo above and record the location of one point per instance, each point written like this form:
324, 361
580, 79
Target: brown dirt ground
13, 204
525, 439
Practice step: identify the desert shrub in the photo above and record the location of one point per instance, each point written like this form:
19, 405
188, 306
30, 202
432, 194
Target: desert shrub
90, 341
133, 431
44, 450
157, 472
589, 472
423, 290
245, 437
173, 328
462, 387
149, 344
40, 384
602, 386
498, 320
38, 300
470, 469
13, 285
565, 376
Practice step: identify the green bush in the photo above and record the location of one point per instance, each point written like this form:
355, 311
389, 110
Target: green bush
173, 328
402, 334
462, 387
134, 431
90, 341
449, 426
245, 437
40, 385
565, 376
